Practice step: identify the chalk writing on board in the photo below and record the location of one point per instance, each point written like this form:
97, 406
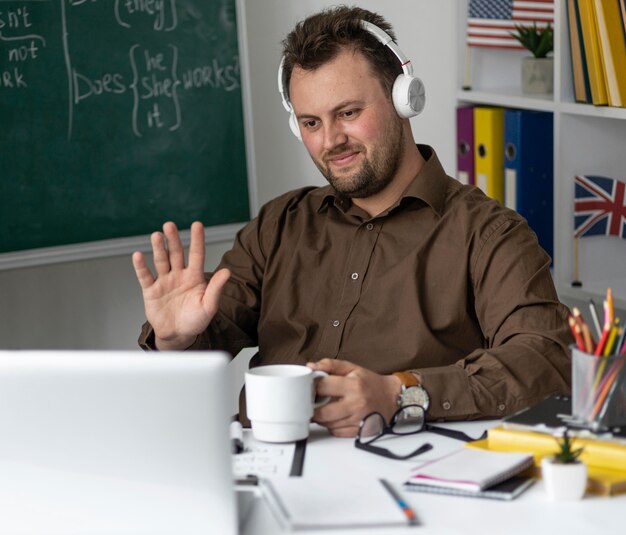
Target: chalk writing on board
159, 10
116, 116
154, 82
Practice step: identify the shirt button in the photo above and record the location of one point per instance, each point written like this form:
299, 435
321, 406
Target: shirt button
369, 226
446, 405
355, 276
501, 407
336, 323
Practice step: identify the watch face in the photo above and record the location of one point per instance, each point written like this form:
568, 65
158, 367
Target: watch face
415, 395
412, 412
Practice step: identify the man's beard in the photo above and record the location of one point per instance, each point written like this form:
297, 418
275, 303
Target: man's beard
376, 172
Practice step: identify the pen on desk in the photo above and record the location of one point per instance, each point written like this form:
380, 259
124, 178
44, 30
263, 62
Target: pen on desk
236, 437
248, 481
406, 508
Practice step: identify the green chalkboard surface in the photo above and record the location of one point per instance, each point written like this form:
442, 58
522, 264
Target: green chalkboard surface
117, 115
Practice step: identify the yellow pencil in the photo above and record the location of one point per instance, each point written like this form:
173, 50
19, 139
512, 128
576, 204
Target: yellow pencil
613, 336
608, 347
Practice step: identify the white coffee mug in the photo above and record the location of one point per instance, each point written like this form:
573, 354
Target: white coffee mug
280, 399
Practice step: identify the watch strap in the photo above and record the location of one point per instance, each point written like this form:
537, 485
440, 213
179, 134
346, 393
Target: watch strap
407, 378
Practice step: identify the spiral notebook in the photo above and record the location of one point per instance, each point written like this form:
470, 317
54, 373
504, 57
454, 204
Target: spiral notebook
507, 490
471, 470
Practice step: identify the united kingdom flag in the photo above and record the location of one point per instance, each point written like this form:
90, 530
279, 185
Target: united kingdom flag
599, 207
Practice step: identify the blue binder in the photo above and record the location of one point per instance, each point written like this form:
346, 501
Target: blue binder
528, 171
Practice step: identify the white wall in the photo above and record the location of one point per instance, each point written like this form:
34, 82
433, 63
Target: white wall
96, 304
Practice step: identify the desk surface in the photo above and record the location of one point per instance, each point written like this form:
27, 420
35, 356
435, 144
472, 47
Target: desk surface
531, 513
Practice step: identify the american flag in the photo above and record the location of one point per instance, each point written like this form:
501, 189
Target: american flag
490, 21
599, 207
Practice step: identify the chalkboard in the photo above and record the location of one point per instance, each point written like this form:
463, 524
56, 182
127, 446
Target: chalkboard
117, 115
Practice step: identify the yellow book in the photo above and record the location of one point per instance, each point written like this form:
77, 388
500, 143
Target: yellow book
593, 55
613, 48
489, 151
600, 453
579, 66
601, 481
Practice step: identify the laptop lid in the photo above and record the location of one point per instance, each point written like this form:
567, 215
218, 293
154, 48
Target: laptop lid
115, 442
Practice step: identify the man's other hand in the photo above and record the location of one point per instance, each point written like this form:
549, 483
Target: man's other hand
358, 392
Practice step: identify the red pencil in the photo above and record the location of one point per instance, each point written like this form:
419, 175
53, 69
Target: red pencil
573, 325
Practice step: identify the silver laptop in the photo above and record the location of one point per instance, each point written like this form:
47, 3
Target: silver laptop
115, 443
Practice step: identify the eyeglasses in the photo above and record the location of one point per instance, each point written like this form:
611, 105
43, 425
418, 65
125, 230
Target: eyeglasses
408, 420
405, 421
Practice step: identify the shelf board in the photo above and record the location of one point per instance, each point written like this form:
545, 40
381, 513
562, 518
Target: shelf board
574, 108
512, 97
509, 97
595, 291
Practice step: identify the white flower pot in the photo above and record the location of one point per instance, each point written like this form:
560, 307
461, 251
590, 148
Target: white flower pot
537, 76
564, 481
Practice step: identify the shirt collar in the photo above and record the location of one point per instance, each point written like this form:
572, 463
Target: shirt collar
427, 186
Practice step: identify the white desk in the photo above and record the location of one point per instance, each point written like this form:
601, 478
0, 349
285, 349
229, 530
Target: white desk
531, 513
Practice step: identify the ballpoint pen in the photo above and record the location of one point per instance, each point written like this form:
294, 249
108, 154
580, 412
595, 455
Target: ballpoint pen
408, 511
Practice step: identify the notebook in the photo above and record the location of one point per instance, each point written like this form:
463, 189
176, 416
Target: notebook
115, 442
301, 503
471, 469
507, 490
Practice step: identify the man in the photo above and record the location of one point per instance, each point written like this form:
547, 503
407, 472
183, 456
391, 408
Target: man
402, 284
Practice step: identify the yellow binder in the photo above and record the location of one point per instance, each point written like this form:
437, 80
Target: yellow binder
600, 453
613, 48
593, 55
489, 151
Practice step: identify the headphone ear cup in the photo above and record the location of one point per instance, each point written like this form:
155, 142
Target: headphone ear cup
408, 95
293, 124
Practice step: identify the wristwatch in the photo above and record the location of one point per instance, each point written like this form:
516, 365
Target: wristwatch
411, 393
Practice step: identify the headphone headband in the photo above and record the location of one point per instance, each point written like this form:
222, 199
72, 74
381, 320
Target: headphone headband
407, 93
387, 41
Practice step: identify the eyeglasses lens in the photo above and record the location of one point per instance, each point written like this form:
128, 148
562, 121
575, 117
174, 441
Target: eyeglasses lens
408, 420
371, 428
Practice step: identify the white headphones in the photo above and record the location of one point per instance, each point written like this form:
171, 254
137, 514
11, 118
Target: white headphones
408, 94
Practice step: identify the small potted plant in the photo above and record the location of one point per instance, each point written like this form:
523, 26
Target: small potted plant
564, 474
538, 70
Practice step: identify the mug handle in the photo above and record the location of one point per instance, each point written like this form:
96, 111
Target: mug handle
323, 400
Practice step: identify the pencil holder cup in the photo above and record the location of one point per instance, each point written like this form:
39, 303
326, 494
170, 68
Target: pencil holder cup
598, 390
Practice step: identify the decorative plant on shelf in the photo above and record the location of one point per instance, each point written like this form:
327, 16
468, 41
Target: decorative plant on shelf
538, 41
564, 474
537, 71
567, 454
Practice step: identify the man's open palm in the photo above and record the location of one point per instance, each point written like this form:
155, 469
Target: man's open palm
179, 303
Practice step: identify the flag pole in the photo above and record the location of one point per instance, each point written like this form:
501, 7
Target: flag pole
576, 283
467, 76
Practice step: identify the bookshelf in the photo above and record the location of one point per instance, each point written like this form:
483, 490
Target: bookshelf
587, 140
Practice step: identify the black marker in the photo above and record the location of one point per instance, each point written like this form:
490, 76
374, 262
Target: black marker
236, 437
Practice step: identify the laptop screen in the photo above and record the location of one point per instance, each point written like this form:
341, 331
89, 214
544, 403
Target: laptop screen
115, 442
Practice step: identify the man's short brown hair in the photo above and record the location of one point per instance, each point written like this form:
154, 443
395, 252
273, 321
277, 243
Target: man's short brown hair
319, 38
